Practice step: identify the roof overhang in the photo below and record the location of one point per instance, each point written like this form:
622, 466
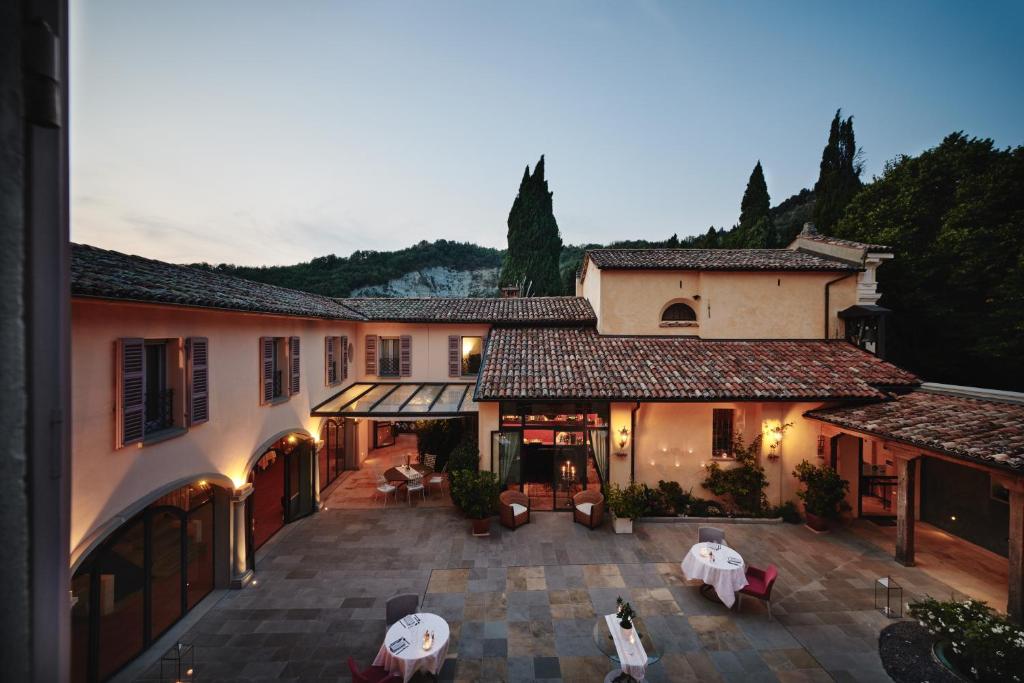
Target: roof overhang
400, 401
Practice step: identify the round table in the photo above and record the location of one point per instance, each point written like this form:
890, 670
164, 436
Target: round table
413, 657
710, 563
606, 644
401, 475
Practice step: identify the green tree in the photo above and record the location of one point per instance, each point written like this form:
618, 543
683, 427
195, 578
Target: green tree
756, 202
954, 216
839, 174
534, 243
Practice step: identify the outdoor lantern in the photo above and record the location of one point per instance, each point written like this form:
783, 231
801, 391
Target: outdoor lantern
889, 597
623, 437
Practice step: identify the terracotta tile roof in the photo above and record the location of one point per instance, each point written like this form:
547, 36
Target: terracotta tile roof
528, 310
112, 275
715, 259
985, 430
570, 363
811, 233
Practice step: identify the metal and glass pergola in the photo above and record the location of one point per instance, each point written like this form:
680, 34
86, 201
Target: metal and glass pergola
400, 401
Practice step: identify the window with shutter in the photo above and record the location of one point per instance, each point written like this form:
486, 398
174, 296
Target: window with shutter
454, 356
131, 391
198, 378
329, 363
405, 355
293, 366
371, 355
344, 358
268, 362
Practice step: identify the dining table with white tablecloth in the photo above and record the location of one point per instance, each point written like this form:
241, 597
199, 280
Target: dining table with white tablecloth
403, 653
718, 566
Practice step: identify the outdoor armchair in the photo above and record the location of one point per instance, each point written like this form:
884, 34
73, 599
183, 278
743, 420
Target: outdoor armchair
588, 508
373, 674
710, 534
401, 606
759, 584
514, 509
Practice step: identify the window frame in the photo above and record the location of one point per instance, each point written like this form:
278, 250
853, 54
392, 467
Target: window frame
173, 380
397, 341
462, 355
676, 305
716, 437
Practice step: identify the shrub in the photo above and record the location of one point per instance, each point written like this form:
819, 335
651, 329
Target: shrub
655, 502
744, 484
985, 645
465, 455
626, 503
787, 511
825, 491
675, 496
439, 437
700, 507
475, 493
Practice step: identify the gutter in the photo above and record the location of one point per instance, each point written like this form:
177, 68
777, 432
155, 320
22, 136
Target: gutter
827, 286
632, 442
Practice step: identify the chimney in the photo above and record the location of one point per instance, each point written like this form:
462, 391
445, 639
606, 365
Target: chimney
510, 292
809, 230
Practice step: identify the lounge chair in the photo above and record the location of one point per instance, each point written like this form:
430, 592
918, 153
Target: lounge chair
514, 509
588, 508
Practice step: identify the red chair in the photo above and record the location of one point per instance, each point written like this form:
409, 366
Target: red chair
759, 584
374, 674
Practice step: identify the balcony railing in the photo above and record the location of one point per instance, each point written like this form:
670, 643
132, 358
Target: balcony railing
277, 384
388, 366
159, 410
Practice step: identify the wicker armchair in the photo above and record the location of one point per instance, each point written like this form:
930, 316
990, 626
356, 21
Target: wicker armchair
596, 515
505, 512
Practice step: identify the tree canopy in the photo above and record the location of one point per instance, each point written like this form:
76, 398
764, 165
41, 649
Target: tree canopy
754, 229
955, 218
534, 243
839, 173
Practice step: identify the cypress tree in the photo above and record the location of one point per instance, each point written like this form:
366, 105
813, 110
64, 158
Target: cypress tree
534, 243
839, 174
756, 203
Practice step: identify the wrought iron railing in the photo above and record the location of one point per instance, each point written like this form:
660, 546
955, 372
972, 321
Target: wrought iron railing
277, 384
159, 410
388, 366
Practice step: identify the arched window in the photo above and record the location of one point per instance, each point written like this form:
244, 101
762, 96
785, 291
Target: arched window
677, 312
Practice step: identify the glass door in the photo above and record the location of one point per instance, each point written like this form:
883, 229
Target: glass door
570, 467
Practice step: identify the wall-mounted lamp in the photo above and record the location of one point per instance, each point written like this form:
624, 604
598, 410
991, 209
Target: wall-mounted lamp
623, 437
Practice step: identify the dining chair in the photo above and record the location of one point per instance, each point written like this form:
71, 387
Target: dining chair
710, 534
430, 460
759, 585
414, 485
373, 674
400, 606
384, 488
438, 479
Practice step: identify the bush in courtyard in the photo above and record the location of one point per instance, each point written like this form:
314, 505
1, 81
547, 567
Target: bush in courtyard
825, 491
466, 454
787, 511
675, 496
655, 502
744, 484
439, 437
475, 493
701, 507
628, 502
985, 645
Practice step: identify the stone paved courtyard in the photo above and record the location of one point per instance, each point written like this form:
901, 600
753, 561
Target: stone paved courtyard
522, 605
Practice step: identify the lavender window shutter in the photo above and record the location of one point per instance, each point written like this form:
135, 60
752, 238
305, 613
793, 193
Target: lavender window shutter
344, 358
454, 356
131, 391
371, 355
267, 374
294, 366
405, 355
332, 371
198, 380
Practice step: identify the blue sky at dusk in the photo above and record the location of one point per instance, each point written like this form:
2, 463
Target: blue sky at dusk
272, 132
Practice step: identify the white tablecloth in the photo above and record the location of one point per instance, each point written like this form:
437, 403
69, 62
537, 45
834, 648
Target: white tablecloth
632, 656
709, 562
414, 658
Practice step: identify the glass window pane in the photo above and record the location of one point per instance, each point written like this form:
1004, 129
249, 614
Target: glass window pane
363, 403
468, 404
396, 398
420, 403
200, 553
335, 404
80, 586
122, 576
165, 571
450, 399
472, 352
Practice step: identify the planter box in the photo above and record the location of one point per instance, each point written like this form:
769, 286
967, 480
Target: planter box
482, 527
712, 520
816, 523
621, 525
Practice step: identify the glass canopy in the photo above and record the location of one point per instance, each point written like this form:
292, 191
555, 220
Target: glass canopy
397, 400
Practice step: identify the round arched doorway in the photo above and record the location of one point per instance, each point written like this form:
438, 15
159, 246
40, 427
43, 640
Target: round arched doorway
141, 580
283, 486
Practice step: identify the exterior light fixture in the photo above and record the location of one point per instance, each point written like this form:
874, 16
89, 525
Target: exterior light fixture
952, 518
623, 437
292, 439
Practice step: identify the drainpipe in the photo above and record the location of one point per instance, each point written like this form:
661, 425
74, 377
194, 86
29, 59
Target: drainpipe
827, 286
632, 442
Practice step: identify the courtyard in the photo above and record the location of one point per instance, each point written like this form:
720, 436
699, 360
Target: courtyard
522, 605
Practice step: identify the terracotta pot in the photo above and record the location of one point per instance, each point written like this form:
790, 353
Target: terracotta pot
482, 527
817, 523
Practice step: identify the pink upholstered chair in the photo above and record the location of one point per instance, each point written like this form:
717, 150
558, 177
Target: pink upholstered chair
759, 585
374, 674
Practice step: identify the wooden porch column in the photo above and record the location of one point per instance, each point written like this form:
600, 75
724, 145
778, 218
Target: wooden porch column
1015, 601
906, 471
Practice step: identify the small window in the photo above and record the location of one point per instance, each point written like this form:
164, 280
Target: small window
472, 353
279, 364
678, 312
389, 358
721, 433
159, 394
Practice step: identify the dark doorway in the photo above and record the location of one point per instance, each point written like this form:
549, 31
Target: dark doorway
282, 482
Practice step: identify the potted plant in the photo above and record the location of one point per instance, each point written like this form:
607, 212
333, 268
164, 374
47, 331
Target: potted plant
824, 494
476, 494
626, 504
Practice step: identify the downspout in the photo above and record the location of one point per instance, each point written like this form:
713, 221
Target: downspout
632, 442
827, 286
